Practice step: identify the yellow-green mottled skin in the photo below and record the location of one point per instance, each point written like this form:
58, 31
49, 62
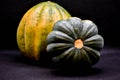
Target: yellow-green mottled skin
35, 25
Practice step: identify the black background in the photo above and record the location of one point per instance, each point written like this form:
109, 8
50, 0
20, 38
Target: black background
104, 13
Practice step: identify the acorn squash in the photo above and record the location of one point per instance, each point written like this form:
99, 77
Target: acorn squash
35, 25
74, 42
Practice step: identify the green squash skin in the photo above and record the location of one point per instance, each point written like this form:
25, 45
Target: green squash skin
35, 25
60, 43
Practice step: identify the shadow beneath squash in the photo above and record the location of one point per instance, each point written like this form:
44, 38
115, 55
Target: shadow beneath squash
76, 72
44, 61
16, 58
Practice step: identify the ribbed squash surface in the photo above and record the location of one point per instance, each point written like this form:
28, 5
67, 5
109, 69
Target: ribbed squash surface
75, 42
35, 25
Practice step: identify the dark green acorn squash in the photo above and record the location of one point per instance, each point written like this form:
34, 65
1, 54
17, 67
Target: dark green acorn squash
75, 42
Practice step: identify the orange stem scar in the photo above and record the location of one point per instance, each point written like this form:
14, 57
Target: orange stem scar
78, 43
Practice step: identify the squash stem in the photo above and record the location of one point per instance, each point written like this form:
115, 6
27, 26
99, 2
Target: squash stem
78, 43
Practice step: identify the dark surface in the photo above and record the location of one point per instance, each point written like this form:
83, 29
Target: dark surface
14, 67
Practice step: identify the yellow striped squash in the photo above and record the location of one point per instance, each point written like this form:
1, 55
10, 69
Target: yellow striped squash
35, 25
